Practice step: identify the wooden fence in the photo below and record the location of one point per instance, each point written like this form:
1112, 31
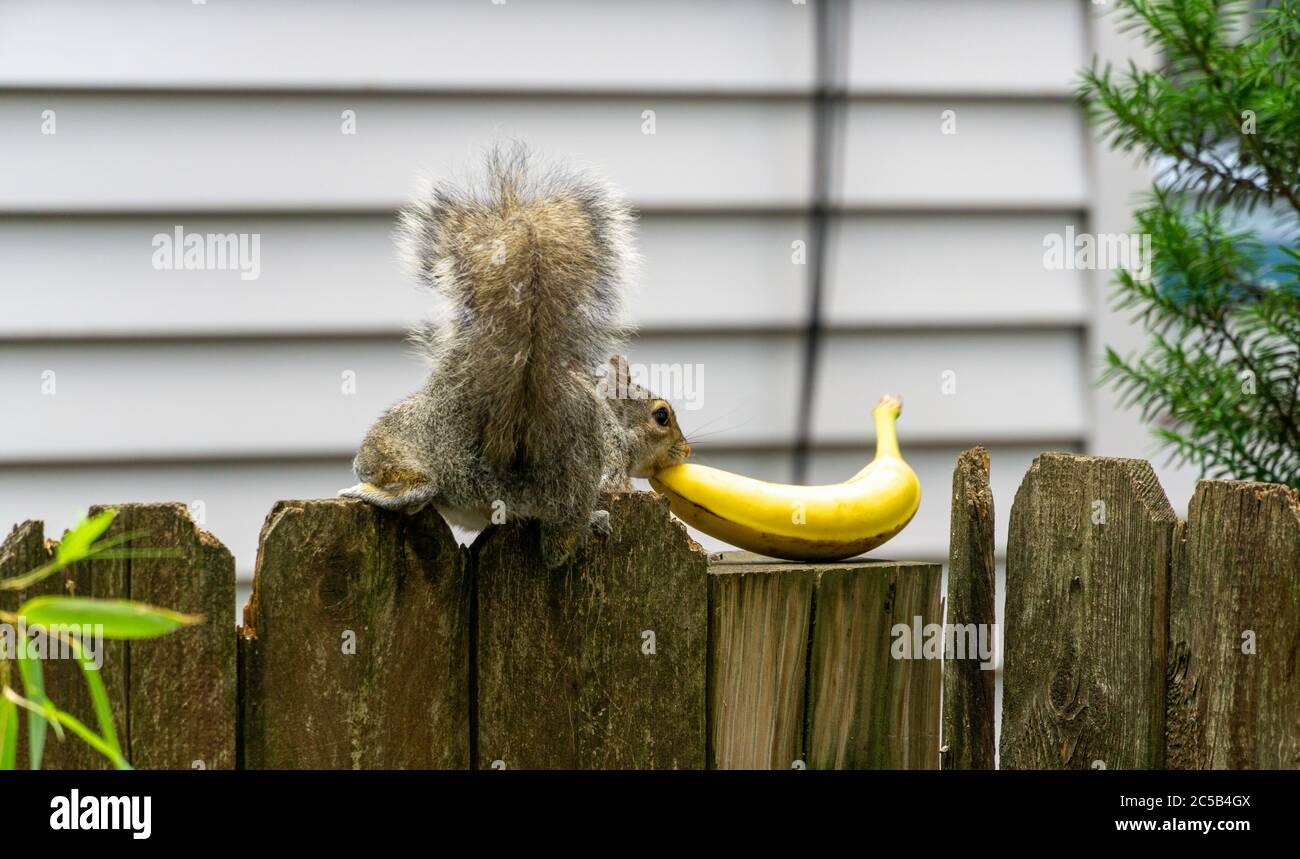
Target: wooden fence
1132, 640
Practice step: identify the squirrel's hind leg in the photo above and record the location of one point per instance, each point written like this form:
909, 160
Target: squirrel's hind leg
559, 542
600, 523
403, 497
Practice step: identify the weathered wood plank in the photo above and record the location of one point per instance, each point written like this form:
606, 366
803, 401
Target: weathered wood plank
600, 664
101, 579
24, 550
1088, 560
873, 702
173, 698
354, 652
64, 682
968, 683
182, 687
759, 617
1234, 691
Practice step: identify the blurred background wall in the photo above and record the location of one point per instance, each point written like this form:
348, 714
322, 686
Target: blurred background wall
739, 130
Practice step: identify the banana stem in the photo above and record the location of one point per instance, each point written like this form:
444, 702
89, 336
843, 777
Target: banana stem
886, 414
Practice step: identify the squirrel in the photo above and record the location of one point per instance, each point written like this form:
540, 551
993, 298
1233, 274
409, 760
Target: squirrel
526, 406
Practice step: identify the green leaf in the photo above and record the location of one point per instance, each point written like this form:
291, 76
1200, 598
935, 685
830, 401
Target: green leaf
99, 696
107, 548
8, 734
72, 723
75, 545
120, 619
26, 580
34, 688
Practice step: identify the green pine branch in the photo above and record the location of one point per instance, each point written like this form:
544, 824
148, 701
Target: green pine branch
1220, 379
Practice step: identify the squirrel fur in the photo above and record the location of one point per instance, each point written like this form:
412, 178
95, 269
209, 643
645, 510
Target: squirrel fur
527, 411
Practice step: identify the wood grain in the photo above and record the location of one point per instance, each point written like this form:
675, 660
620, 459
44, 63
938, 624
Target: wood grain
1234, 691
565, 679
25, 549
1088, 560
182, 687
355, 644
968, 685
867, 708
760, 613
173, 698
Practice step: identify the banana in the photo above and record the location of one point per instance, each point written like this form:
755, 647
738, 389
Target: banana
801, 523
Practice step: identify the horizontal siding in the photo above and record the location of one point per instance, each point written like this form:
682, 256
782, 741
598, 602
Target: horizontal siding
221, 398
397, 44
1006, 385
234, 497
327, 274
1032, 46
238, 152
241, 152
934, 269
323, 274
1013, 154
966, 46
177, 399
335, 274
256, 398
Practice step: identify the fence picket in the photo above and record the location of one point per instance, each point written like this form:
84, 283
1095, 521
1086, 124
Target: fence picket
599, 664
968, 685
1234, 692
1088, 560
372, 640
354, 651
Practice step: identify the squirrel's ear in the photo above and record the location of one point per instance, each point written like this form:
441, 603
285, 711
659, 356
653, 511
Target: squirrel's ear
620, 371
614, 377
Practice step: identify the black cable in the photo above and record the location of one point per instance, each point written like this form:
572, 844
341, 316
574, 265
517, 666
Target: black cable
831, 50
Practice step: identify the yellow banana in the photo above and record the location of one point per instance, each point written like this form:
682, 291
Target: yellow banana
801, 523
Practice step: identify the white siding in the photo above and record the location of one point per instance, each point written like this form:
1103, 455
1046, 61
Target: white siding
989, 272
338, 273
247, 152
474, 45
225, 117
714, 271
1004, 153
959, 47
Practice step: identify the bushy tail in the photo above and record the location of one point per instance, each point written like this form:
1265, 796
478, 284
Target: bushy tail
533, 263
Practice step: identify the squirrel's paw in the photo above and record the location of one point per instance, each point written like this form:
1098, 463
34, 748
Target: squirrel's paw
411, 500
600, 523
557, 545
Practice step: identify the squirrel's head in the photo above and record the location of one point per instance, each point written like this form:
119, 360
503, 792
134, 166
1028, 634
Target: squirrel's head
655, 439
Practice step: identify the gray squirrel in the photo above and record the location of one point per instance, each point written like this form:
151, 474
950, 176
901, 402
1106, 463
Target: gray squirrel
527, 411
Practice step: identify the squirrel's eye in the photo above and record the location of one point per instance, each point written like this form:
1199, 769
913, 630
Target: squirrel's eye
661, 416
